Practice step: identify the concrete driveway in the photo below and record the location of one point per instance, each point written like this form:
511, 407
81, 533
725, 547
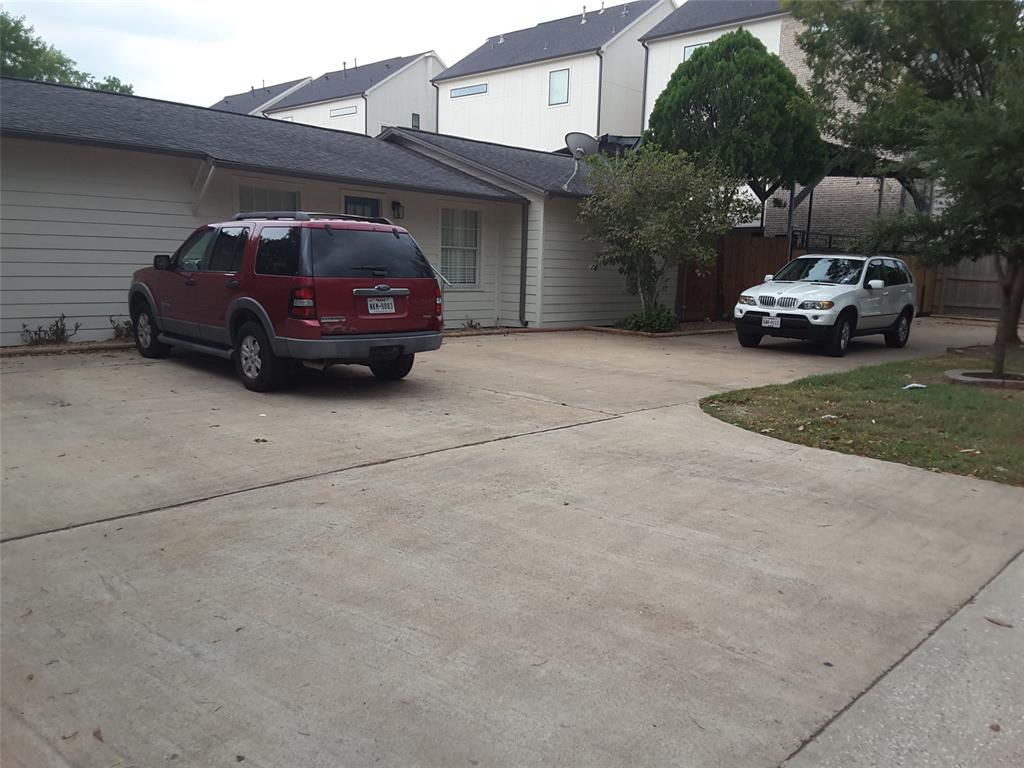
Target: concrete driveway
535, 551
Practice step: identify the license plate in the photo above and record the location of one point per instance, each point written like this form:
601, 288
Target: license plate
380, 306
771, 322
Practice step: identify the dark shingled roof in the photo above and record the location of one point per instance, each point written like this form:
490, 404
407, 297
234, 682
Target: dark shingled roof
543, 171
345, 82
550, 40
246, 102
704, 14
76, 115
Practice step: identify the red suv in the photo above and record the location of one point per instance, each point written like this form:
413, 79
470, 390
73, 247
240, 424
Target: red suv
270, 287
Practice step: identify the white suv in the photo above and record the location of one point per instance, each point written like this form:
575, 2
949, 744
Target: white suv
830, 299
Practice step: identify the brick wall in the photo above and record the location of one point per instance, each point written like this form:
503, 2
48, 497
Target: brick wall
843, 206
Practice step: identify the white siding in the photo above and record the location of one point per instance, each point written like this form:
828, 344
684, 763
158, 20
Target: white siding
77, 221
515, 108
573, 293
393, 101
622, 76
320, 115
666, 55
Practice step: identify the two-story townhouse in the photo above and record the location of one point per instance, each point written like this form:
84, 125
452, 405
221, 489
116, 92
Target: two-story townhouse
530, 87
838, 206
367, 98
256, 101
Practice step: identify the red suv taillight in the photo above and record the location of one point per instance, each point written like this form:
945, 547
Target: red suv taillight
438, 302
303, 303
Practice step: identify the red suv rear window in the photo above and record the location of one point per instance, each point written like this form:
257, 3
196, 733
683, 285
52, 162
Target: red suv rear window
366, 253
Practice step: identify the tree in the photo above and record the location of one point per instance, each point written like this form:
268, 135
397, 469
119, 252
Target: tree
653, 210
734, 105
24, 55
936, 87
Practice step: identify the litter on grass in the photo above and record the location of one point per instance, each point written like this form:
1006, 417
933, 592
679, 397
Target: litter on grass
916, 386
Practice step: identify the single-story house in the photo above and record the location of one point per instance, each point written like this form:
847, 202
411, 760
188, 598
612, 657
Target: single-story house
94, 184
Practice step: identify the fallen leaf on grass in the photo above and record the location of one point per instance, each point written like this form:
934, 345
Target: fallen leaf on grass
971, 451
999, 622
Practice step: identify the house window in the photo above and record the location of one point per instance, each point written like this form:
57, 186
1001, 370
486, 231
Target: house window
689, 49
468, 90
460, 237
415, 121
558, 87
259, 199
343, 111
362, 206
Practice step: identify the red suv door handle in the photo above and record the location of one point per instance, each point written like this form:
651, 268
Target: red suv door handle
232, 284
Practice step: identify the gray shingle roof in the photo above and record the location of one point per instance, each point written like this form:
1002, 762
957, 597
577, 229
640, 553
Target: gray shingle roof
77, 115
704, 14
345, 82
550, 40
246, 102
543, 171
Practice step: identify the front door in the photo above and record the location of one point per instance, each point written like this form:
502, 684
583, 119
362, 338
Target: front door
219, 283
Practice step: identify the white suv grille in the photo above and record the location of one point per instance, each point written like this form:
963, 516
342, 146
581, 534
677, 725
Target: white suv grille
785, 302
766, 301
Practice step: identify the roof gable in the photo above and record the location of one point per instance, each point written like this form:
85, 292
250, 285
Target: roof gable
549, 40
344, 82
249, 101
76, 115
694, 15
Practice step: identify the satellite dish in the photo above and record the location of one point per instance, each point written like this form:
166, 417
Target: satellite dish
580, 144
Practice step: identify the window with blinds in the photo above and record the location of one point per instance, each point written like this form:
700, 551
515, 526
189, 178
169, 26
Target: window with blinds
460, 246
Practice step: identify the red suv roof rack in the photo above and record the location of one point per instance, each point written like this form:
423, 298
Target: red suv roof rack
308, 216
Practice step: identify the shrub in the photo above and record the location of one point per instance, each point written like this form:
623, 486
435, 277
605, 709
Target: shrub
54, 333
658, 319
122, 327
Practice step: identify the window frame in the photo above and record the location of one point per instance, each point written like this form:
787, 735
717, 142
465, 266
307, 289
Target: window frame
692, 49
551, 74
479, 267
268, 186
361, 200
202, 231
414, 121
208, 261
877, 263
299, 258
335, 112
477, 89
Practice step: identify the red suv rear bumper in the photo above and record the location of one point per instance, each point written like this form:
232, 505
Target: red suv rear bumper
355, 348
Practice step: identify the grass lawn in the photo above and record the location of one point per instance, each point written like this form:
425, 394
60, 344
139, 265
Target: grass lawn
965, 430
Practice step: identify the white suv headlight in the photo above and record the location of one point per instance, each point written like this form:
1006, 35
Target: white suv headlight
747, 300
817, 305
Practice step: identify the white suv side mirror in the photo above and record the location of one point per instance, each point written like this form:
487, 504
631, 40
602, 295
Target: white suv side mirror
876, 285
769, 278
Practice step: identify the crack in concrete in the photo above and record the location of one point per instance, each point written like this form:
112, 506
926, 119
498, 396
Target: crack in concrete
311, 476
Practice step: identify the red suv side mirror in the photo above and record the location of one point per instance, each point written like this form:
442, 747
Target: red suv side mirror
161, 262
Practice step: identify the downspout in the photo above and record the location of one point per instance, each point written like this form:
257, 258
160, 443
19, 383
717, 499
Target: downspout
366, 114
522, 263
600, 86
643, 92
437, 107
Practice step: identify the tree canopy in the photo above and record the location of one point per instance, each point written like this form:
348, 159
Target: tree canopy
735, 105
653, 210
23, 54
936, 87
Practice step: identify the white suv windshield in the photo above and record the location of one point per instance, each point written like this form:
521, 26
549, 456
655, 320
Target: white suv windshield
822, 270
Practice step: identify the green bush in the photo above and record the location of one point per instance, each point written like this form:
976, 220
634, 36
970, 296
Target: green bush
659, 319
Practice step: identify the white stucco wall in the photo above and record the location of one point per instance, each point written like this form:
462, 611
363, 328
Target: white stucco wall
393, 101
320, 115
515, 108
622, 78
78, 221
666, 54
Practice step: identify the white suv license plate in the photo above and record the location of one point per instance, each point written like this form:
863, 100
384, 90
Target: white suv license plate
766, 322
381, 306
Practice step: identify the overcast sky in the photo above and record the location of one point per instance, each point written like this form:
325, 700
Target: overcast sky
197, 52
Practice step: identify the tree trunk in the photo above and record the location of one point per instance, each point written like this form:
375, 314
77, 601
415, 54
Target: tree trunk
1012, 285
